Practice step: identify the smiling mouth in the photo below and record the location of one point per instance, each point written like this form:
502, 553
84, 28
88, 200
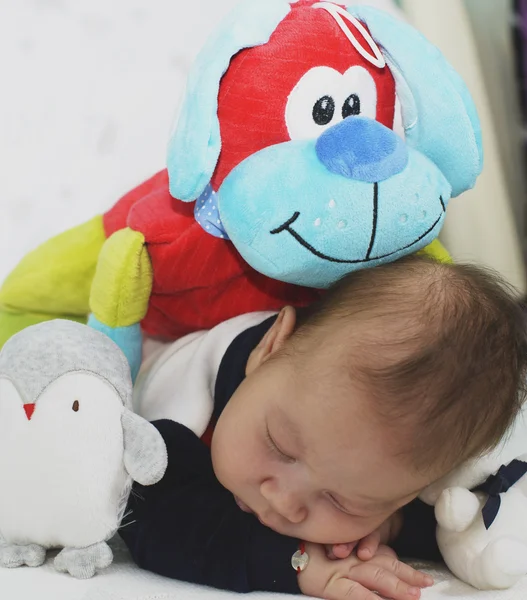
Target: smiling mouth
287, 226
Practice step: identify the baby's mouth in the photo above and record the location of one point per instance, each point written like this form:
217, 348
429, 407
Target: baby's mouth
243, 506
246, 508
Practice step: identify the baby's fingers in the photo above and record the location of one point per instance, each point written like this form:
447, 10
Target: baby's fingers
346, 589
404, 572
340, 551
369, 545
386, 583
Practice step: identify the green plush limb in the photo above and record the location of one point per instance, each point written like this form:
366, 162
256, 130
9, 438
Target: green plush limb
53, 281
13, 322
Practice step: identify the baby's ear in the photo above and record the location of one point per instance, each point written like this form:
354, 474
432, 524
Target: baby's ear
274, 339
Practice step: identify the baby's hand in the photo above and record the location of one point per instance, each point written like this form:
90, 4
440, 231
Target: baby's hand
353, 579
368, 546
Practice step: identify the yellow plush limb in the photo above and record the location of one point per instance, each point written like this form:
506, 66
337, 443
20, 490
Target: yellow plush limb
438, 251
123, 280
52, 281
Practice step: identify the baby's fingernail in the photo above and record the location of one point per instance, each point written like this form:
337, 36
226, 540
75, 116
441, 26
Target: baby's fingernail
413, 591
429, 581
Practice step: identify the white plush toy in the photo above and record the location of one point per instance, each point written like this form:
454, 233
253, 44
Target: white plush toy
69, 447
481, 510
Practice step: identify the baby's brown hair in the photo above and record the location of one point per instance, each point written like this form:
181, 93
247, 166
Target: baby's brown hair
440, 348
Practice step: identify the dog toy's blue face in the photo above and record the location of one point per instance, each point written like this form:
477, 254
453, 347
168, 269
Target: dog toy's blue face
309, 212
333, 188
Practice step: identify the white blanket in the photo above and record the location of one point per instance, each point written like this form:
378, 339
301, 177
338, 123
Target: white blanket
89, 89
123, 581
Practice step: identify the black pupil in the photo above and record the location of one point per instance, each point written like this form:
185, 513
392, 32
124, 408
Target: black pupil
351, 106
324, 110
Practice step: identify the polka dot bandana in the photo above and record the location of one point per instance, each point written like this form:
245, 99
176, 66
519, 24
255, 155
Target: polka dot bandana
207, 214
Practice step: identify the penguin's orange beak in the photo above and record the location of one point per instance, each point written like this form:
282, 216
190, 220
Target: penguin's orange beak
30, 409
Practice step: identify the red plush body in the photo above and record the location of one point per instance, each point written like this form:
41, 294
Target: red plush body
200, 280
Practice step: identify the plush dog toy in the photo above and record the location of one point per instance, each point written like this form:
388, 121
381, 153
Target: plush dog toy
312, 140
481, 512
69, 447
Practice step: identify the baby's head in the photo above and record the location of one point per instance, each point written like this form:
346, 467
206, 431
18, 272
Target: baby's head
351, 408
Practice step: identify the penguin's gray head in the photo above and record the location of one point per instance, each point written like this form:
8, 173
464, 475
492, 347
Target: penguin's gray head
37, 356
78, 383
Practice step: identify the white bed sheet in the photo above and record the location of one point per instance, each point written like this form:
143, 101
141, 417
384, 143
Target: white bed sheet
88, 92
123, 581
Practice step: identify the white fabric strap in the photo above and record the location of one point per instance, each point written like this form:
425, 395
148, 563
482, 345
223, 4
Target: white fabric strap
337, 12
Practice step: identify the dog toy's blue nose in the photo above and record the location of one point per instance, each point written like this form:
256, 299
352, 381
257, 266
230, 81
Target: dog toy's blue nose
362, 149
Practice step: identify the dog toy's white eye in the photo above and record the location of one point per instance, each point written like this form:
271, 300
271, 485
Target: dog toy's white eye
314, 104
324, 110
324, 97
360, 94
351, 106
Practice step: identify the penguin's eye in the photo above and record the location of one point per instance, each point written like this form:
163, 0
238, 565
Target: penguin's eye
75, 406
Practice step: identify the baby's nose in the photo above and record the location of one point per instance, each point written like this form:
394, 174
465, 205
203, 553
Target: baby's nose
291, 510
287, 504
362, 149
295, 515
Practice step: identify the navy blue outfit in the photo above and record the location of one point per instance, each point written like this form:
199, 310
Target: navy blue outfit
189, 527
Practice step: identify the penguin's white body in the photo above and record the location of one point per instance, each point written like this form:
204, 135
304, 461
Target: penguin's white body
70, 447
62, 471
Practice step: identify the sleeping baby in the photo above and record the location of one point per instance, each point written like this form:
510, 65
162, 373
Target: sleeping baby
299, 442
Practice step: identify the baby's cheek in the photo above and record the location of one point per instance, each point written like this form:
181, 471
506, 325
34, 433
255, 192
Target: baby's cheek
342, 528
351, 530
232, 466
327, 526
221, 458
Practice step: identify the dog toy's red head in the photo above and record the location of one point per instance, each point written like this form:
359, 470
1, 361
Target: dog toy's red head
288, 139
319, 67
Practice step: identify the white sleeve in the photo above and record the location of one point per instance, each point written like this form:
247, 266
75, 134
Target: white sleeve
177, 381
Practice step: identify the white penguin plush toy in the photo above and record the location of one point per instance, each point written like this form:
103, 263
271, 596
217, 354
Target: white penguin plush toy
70, 447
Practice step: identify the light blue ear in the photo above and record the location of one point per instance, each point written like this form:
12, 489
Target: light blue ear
439, 116
195, 146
